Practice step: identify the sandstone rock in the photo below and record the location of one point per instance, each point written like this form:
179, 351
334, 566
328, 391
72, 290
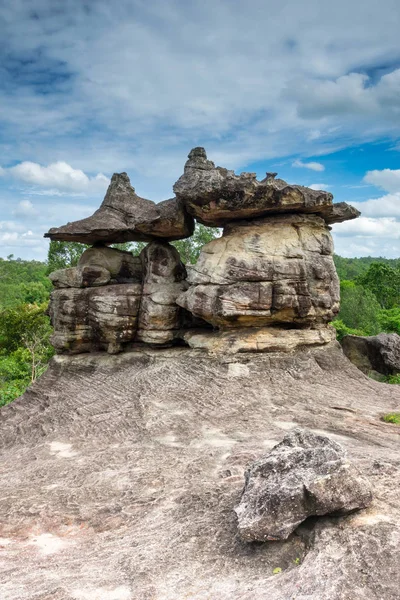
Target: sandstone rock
119, 474
69, 317
254, 339
183, 413
122, 265
339, 212
164, 280
380, 353
266, 272
303, 476
94, 318
79, 277
113, 315
124, 216
216, 196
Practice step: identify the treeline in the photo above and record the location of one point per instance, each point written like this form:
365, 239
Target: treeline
370, 303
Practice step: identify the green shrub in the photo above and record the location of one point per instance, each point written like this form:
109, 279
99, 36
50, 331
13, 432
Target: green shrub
342, 329
392, 418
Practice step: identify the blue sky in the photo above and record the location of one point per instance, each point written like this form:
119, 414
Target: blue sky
311, 90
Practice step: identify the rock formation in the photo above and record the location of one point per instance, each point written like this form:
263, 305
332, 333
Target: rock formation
215, 196
125, 217
376, 353
303, 476
269, 282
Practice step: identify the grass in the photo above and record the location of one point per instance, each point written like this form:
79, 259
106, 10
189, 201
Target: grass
393, 417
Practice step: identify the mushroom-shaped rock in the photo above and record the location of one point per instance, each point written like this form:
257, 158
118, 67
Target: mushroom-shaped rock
305, 475
216, 196
124, 217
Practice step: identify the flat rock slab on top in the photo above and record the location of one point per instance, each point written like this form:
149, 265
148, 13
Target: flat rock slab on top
305, 475
125, 217
216, 196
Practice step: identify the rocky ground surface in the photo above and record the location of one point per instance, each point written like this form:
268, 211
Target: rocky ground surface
120, 474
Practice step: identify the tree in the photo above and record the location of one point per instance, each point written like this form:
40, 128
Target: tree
25, 348
359, 309
383, 281
62, 255
189, 249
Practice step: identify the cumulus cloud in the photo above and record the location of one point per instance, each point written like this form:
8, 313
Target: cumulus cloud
25, 209
368, 236
197, 73
59, 175
387, 179
385, 206
314, 166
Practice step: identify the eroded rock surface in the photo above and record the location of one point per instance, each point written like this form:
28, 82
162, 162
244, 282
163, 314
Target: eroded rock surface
93, 319
80, 277
264, 272
216, 196
124, 217
160, 317
122, 265
120, 474
379, 353
303, 476
257, 339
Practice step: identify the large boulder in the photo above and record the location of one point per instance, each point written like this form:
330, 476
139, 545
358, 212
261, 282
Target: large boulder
164, 280
216, 196
122, 265
270, 271
124, 217
80, 277
379, 353
303, 476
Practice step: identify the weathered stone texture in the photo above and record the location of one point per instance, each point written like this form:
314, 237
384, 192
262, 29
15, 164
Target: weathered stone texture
122, 265
94, 318
257, 339
379, 353
119, 477
303, 476
164, 279
80, 277
124, 216
266, 272
216, 196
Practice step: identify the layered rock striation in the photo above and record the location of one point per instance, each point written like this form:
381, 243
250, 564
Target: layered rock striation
268, 282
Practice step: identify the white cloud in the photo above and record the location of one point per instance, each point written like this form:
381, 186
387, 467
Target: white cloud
59, 175
2, 171
25, 209
367, 236
319, 186
387, 179
314, 166
385, 206
368, 226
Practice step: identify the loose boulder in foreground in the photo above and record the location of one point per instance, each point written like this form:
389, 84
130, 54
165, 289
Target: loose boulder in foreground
303, 476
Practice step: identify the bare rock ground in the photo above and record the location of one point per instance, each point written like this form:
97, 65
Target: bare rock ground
120, 474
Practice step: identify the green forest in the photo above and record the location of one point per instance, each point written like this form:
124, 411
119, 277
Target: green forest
370, 303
